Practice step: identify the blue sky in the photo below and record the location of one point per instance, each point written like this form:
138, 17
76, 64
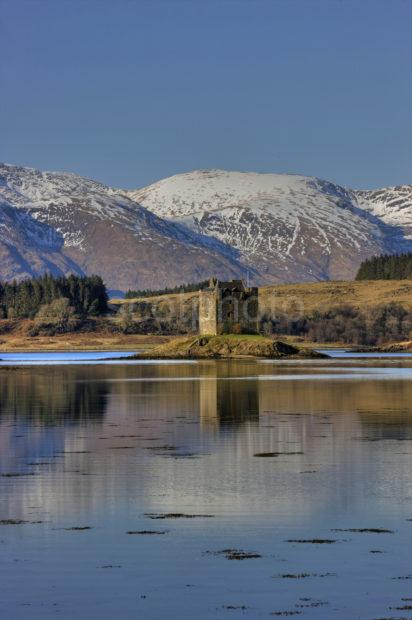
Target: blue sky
130, 91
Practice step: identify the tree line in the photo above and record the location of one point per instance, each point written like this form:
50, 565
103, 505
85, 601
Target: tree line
181, 288
86, 295
386, 267
347, 324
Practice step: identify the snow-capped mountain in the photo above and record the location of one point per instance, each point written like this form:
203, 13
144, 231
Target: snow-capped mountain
285, 227
267, 227
97, 229
392, 205
29, 247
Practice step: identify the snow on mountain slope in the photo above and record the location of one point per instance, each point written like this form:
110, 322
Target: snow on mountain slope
28, 247
268, 227
392, 205
286, 227
104, 231
59, 199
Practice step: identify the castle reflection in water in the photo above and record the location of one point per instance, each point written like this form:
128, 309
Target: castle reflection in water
104, 446
220, 394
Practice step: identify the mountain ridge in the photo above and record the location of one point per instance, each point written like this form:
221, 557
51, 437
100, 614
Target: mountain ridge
287, 227
266, 227
104, 231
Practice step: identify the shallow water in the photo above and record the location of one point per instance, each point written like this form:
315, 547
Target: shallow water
103, 446
61, 357
347, 353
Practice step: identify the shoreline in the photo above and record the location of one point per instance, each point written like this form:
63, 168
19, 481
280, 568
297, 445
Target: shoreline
78, 342
104, 341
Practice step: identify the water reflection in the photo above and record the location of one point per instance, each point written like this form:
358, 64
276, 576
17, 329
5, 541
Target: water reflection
224, 402
108, 444
217, 394
50, 395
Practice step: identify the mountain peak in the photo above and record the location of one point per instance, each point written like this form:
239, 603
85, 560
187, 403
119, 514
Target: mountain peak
274, 227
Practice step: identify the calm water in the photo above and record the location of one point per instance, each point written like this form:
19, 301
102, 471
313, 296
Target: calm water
66, 357
108, 446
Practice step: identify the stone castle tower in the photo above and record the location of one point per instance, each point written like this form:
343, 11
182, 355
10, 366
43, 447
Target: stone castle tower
228, 307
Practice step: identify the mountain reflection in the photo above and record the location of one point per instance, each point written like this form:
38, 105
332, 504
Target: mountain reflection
218, 394
165, 433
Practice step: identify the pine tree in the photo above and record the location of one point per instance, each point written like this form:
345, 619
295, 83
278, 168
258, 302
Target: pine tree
386, 267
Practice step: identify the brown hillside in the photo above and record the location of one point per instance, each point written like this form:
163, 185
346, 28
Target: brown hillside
305, 297
323, 295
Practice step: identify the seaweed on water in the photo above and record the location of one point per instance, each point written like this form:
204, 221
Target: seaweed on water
308, 602
292, 576
376, 551
17, 474
175, 515
147, 532
18, 522
275, 454
233, 607
235, 554
77, 528
302, 575
403, 577
76, 451
162, 448
312, 541
185, 455
286, 613
365, 530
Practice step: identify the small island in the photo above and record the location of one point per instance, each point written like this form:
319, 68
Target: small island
227, 346
228, 318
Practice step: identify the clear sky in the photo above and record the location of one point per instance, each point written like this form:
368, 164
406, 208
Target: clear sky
130, 91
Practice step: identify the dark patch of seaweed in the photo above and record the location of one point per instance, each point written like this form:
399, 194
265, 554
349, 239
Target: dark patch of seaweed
147, 532
176, 515
276, 454
312, 541
302, 575
365, 530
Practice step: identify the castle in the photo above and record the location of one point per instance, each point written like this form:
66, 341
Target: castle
228, 307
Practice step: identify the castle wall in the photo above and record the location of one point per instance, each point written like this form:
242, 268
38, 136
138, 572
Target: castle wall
238, 310
207, 313
228, 307
250, 311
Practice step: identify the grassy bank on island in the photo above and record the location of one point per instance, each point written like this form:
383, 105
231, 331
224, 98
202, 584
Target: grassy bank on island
226, 346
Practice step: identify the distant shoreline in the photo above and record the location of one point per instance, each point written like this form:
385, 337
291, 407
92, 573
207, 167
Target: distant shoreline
78, 341
134, 343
